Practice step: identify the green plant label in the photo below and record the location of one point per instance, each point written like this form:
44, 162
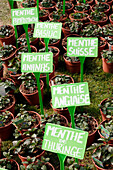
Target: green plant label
64, 140
76, 94
37, 62
105, 132
47, 30
2, 91
3, 169
24, 16
82, 47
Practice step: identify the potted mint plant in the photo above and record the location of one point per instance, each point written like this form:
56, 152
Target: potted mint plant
58, 16
105, 130
28, 88
71, 27
107, 59
102, 155
6, 118
97, 17
26, 120
28, 3
38, 164
105, 106
7, 34
47, 5
7, 53
7, 103
9, 164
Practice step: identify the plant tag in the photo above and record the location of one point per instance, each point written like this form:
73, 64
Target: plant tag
64, 140
2, 91
66, 95
24, 16
3, 169
104, 132
82, 47
37, 62
99, 163
47, 30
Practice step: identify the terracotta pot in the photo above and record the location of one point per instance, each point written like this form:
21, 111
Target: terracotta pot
65, 123
107, 67
1, 44
15, 78
99, 132
97, 167
33, 49
43, 76
10, 57
12, 160
50, 165
50, 9
33, 98
59, 20
11, 108
109, 45
5, 131
9, 79
85, 19
106, 1
102, 114
68, 11
52, 79
111, 20
62, 111
106, 12
100, 48
72, 67
36, 126
56, 44
32, 43
107, 27
89, 2
45, 17
92, 136
55, 57
27, 7
84, 11
24, 159
9, 40
101, 23
67, 32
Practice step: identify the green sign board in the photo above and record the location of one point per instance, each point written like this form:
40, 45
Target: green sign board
82, 47
37, 62
47, 30
24, 16
65, 140
66, 95
3, 169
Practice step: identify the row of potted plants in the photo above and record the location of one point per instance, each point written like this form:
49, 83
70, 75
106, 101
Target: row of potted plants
30, 126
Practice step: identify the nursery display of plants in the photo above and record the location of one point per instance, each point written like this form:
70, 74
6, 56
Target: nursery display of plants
56, 85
